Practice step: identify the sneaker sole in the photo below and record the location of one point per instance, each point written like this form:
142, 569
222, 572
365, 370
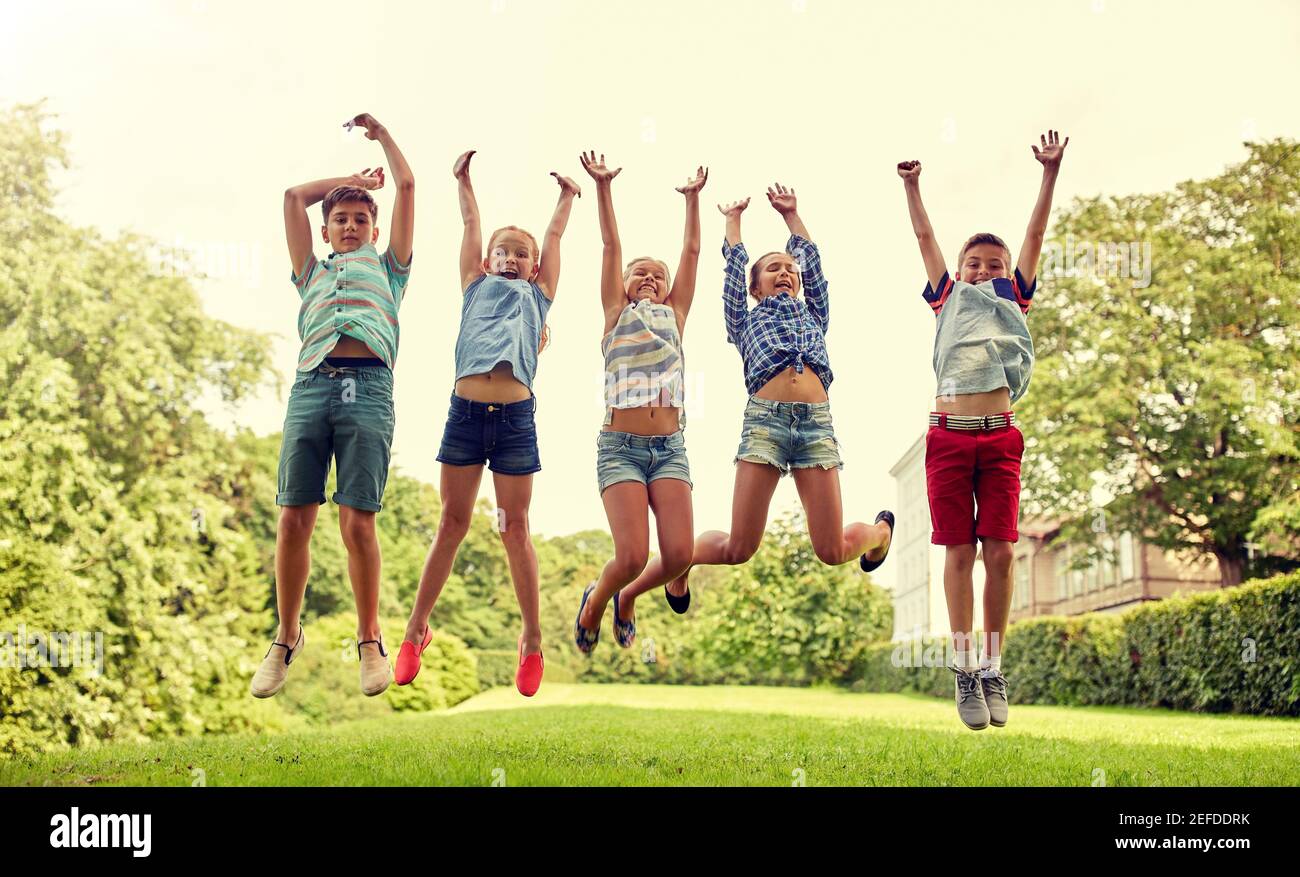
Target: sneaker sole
997, 724
377, 691
265, 694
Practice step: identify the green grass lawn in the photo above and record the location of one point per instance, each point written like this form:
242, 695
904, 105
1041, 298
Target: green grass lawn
724, 735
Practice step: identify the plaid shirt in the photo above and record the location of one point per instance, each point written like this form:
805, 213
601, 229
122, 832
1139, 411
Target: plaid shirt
779, 331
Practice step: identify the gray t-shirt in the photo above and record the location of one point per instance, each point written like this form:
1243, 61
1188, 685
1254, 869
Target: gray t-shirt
982, 342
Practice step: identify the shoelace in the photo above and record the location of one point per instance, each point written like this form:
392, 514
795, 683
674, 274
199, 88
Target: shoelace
996, 683
968, 684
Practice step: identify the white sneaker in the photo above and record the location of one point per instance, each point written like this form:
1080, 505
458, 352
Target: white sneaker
375, 670
270, 676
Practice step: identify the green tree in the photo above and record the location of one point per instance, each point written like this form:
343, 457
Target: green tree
114, 511
1177, 400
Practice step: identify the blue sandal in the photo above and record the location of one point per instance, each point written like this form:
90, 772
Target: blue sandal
624, 631
585, 639
872, 565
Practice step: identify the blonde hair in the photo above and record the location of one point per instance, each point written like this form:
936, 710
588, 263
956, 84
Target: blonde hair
537, 253
627, 272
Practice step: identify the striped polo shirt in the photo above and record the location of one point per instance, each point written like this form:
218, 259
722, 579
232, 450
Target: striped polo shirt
355, 294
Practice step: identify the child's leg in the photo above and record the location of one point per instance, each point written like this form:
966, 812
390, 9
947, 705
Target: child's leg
999, 561
458, 488
358, 530
959, 588
627, 506
514, 495
675, 524
292, 565
819, 491
755, 484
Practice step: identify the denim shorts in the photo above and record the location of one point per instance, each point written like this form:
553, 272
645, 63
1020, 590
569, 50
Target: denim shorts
625, 456
789, 435
346, 414
501, 434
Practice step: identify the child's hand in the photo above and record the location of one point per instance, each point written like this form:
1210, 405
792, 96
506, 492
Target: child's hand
568, 186
369, 179
368, 122
782, 199
1053, 149
909, 170
735, 208
596, 167
461, 168
695, 183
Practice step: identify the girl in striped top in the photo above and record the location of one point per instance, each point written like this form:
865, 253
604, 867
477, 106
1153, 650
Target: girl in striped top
640, 452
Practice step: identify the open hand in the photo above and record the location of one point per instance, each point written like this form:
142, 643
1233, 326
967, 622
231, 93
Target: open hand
596, 167
1053, 149
909, 170
735, 208
567, 185
781, 198
369, 179
695, 183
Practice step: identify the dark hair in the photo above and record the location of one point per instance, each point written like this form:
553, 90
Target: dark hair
340, 194
983, 238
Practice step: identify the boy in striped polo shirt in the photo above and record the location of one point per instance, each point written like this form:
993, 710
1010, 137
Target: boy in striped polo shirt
341, 404
983, 356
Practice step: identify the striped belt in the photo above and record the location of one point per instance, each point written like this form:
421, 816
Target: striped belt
972, 422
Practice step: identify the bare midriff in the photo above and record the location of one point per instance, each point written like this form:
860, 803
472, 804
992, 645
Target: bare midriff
794, 386
498, 385
975, 404
646, 420
351, 347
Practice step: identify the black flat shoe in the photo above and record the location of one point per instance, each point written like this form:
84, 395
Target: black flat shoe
872, 565
679, 604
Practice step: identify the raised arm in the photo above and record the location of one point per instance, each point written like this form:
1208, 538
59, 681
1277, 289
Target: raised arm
808, 260
548, 274
612, 294
297, 225
401, 230
683, 291
734, 291
910, 171
1050, 156
471, 241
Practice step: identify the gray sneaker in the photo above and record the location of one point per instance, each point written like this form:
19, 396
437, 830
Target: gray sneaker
972, 709
995, 695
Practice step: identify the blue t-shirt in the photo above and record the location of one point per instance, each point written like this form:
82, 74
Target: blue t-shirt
501, 320
982, 341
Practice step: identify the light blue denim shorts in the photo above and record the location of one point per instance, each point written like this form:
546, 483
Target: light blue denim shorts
789, 435
625, 456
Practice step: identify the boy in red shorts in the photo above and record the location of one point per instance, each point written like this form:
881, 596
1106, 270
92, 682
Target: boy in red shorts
983, 356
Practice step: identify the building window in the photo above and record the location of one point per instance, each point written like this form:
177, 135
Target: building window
1020, 597
1127, 557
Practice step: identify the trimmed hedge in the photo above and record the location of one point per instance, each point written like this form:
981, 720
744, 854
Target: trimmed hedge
1235, 650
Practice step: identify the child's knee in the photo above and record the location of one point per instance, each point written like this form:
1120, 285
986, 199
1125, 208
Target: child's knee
628, 564
998, 555
296, 523
512, 528
962, 556
357, 528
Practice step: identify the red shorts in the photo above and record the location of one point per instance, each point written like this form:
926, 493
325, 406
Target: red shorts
966, 468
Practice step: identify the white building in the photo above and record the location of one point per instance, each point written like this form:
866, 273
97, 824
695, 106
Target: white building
920, 607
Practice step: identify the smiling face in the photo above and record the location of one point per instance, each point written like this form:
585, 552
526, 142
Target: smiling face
774, 274
350, 226
512, 255
646, 280
984, 261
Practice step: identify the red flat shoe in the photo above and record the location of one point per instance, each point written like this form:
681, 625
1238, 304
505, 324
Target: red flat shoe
528, 678
408, 659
